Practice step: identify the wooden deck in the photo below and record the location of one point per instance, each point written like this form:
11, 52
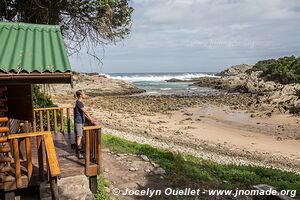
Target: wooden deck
69, 164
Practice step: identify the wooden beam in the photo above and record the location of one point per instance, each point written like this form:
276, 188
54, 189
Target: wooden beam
40, 156
69, 120
24, 135
48, 121
34, 122
17, 163
92, 127
29, 158
62, 123
87, 152
52, 108
51, 155
99, 153
41, 121
55, 121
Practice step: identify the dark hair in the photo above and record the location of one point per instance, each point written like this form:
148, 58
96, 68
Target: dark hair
77, 94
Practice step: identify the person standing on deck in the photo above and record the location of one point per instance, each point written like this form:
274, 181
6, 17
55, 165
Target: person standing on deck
80, 113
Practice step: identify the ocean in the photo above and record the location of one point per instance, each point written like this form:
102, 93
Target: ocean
155, 83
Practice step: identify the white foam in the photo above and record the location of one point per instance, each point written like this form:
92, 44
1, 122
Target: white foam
165, 89
158, 78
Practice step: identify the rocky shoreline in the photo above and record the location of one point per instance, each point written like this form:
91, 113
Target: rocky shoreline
237, 126
95, 85
266, 95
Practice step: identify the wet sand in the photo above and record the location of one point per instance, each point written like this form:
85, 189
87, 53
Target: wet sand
222, 132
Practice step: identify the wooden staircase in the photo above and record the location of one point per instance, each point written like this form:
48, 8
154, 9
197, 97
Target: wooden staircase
5, 151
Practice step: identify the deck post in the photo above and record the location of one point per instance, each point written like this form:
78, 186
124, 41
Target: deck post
87, 152
99, 152
54, 188
17, 163
40, 156
48, 121
34, 121
62, 123
55, 121
29, 158
41, 121
93, 184
69, 120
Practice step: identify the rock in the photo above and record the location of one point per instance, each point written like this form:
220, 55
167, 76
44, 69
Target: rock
105, 151
148, 170
107, 189
132, 169
188, 114
235, 70
159, 171
106, 170
175, 80
155, 165
145, 158
95, 85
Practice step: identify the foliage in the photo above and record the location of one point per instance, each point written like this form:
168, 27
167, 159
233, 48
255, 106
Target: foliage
284, 70
183, 169
40, 99
101, 194
82, 21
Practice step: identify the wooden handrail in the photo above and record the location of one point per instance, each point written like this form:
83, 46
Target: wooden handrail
93, 152
51, 155
45, 138
51, 119
85, 128
24, 135
51, 108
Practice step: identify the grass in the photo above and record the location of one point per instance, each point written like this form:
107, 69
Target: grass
101, 194
188, 170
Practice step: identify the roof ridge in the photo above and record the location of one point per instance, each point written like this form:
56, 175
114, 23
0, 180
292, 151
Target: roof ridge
28, 26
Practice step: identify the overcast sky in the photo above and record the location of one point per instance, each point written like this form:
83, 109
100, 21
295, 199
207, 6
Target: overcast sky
200, 36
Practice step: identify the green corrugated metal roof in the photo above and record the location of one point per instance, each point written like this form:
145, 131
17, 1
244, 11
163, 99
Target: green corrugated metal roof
32, 48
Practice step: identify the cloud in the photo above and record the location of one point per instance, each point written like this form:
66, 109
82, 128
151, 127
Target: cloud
206, 35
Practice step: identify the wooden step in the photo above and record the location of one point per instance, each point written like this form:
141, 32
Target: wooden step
3, 119
3, 139
5, 159
5, 149
4, 129
6, 169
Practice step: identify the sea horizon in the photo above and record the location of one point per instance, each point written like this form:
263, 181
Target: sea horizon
156, 83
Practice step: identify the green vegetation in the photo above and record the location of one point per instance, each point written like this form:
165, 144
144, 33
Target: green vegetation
283, 70
186, 170
101, 194
40, 99
88, 22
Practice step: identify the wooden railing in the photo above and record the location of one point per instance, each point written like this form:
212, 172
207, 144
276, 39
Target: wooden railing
51, 117
93, 154
92, 136
23, 180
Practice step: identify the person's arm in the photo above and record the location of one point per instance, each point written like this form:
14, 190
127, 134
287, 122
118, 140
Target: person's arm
87, 114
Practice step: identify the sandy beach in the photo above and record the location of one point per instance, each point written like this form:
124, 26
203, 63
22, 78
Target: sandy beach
220, 128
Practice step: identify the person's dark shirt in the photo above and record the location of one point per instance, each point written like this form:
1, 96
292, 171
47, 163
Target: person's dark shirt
79, 114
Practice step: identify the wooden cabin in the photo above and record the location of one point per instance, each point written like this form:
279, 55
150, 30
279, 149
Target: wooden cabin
36, 54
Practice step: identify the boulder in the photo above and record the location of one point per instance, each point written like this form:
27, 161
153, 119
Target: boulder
235, 70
